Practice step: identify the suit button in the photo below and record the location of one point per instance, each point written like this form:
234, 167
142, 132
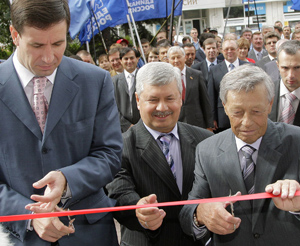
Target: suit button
44, 150
256, 235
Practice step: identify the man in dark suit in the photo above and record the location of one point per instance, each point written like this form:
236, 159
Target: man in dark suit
190, 53
288, 63
124, 84
257, 52
254, 156
230, 51
270, 40
60, 141
196, 108
200, 55
151, 170
211, 52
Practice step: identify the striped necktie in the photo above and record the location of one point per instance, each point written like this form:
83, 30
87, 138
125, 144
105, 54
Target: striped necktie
288, 112
165, 140
249, 168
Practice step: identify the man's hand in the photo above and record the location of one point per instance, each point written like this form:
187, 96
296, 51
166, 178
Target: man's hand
56, 183
216, 218
150, 218
286, 189
51, 229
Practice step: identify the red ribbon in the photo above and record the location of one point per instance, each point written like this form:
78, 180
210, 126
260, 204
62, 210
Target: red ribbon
263, 195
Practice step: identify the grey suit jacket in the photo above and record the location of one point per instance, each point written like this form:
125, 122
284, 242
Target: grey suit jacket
196, 109
252, 55
200, 55
81, 138
127, 117
218, 170
215, 76
272, 70
263, 62
274, 112
202, 66
145, 171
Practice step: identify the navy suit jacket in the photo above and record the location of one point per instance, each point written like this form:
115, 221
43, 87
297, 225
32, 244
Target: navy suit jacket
82, 138
215, 76
202, 66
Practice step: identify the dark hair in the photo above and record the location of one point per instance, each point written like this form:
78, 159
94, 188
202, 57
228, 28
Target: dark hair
144, 41
39, 14
185, 39
188, 45
205, 36
124, 51
271, 35
210, 41
278, 28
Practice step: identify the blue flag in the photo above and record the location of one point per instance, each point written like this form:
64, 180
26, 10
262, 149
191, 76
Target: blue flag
296, 5
107, 12
80, 12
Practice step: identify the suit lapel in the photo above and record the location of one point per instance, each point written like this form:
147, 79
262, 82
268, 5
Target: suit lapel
123, 84
153, 156
231, 168
274, 112
188, 147
63, 93
266, 165
13, 96
189, 79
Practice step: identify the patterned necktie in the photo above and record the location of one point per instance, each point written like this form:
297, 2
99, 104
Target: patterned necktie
183, 87
40, 104
288, 112
249, 168
165, 140
231, 66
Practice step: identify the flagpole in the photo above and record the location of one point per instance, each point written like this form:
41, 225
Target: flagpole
131, 31
99, 29
227, 19
136, 32
164, 23
178, 28
256, 16
171, 22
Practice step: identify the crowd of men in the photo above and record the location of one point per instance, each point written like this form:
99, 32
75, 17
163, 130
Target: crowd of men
201, 119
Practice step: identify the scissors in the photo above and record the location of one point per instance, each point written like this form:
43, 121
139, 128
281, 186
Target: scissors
232, 209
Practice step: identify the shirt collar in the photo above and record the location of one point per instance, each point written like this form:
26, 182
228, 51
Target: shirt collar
24, 74
126, 73
235, 63
284, 90
240, 143
156, 134
183, 71
214, 62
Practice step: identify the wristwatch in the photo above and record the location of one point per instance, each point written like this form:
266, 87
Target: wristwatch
195, 219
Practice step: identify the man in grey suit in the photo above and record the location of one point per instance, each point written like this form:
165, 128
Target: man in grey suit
230, 51
257, 52
63, 151
270, 40
288, 63
124, 84
254, 156
151, 170
196, 108
210, 50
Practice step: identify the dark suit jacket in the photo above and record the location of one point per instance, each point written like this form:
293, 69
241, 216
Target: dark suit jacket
196, 109
252, 55
82, 138
218, 170
263, 62
274, 112
215, 76
145, 171
124, 104
202, 66
200, 55
272, 70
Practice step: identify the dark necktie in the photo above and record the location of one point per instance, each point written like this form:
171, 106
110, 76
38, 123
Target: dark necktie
183, 88
211, 65
40, 104
165, 140
249, 168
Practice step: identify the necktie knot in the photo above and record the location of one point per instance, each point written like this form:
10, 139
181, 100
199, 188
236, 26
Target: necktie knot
165, 139
39, 84
231, 66
290, 96
248, 151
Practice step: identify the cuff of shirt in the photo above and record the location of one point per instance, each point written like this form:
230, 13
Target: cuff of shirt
200, 231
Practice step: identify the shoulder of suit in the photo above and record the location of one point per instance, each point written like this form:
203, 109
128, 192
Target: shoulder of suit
194, 130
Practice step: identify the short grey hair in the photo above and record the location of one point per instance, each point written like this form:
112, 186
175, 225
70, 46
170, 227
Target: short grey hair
267, 27
175, 49
245, 78
290, 47
157, 74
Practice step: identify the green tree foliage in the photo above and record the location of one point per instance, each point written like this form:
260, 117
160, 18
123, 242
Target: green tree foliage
6, 43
